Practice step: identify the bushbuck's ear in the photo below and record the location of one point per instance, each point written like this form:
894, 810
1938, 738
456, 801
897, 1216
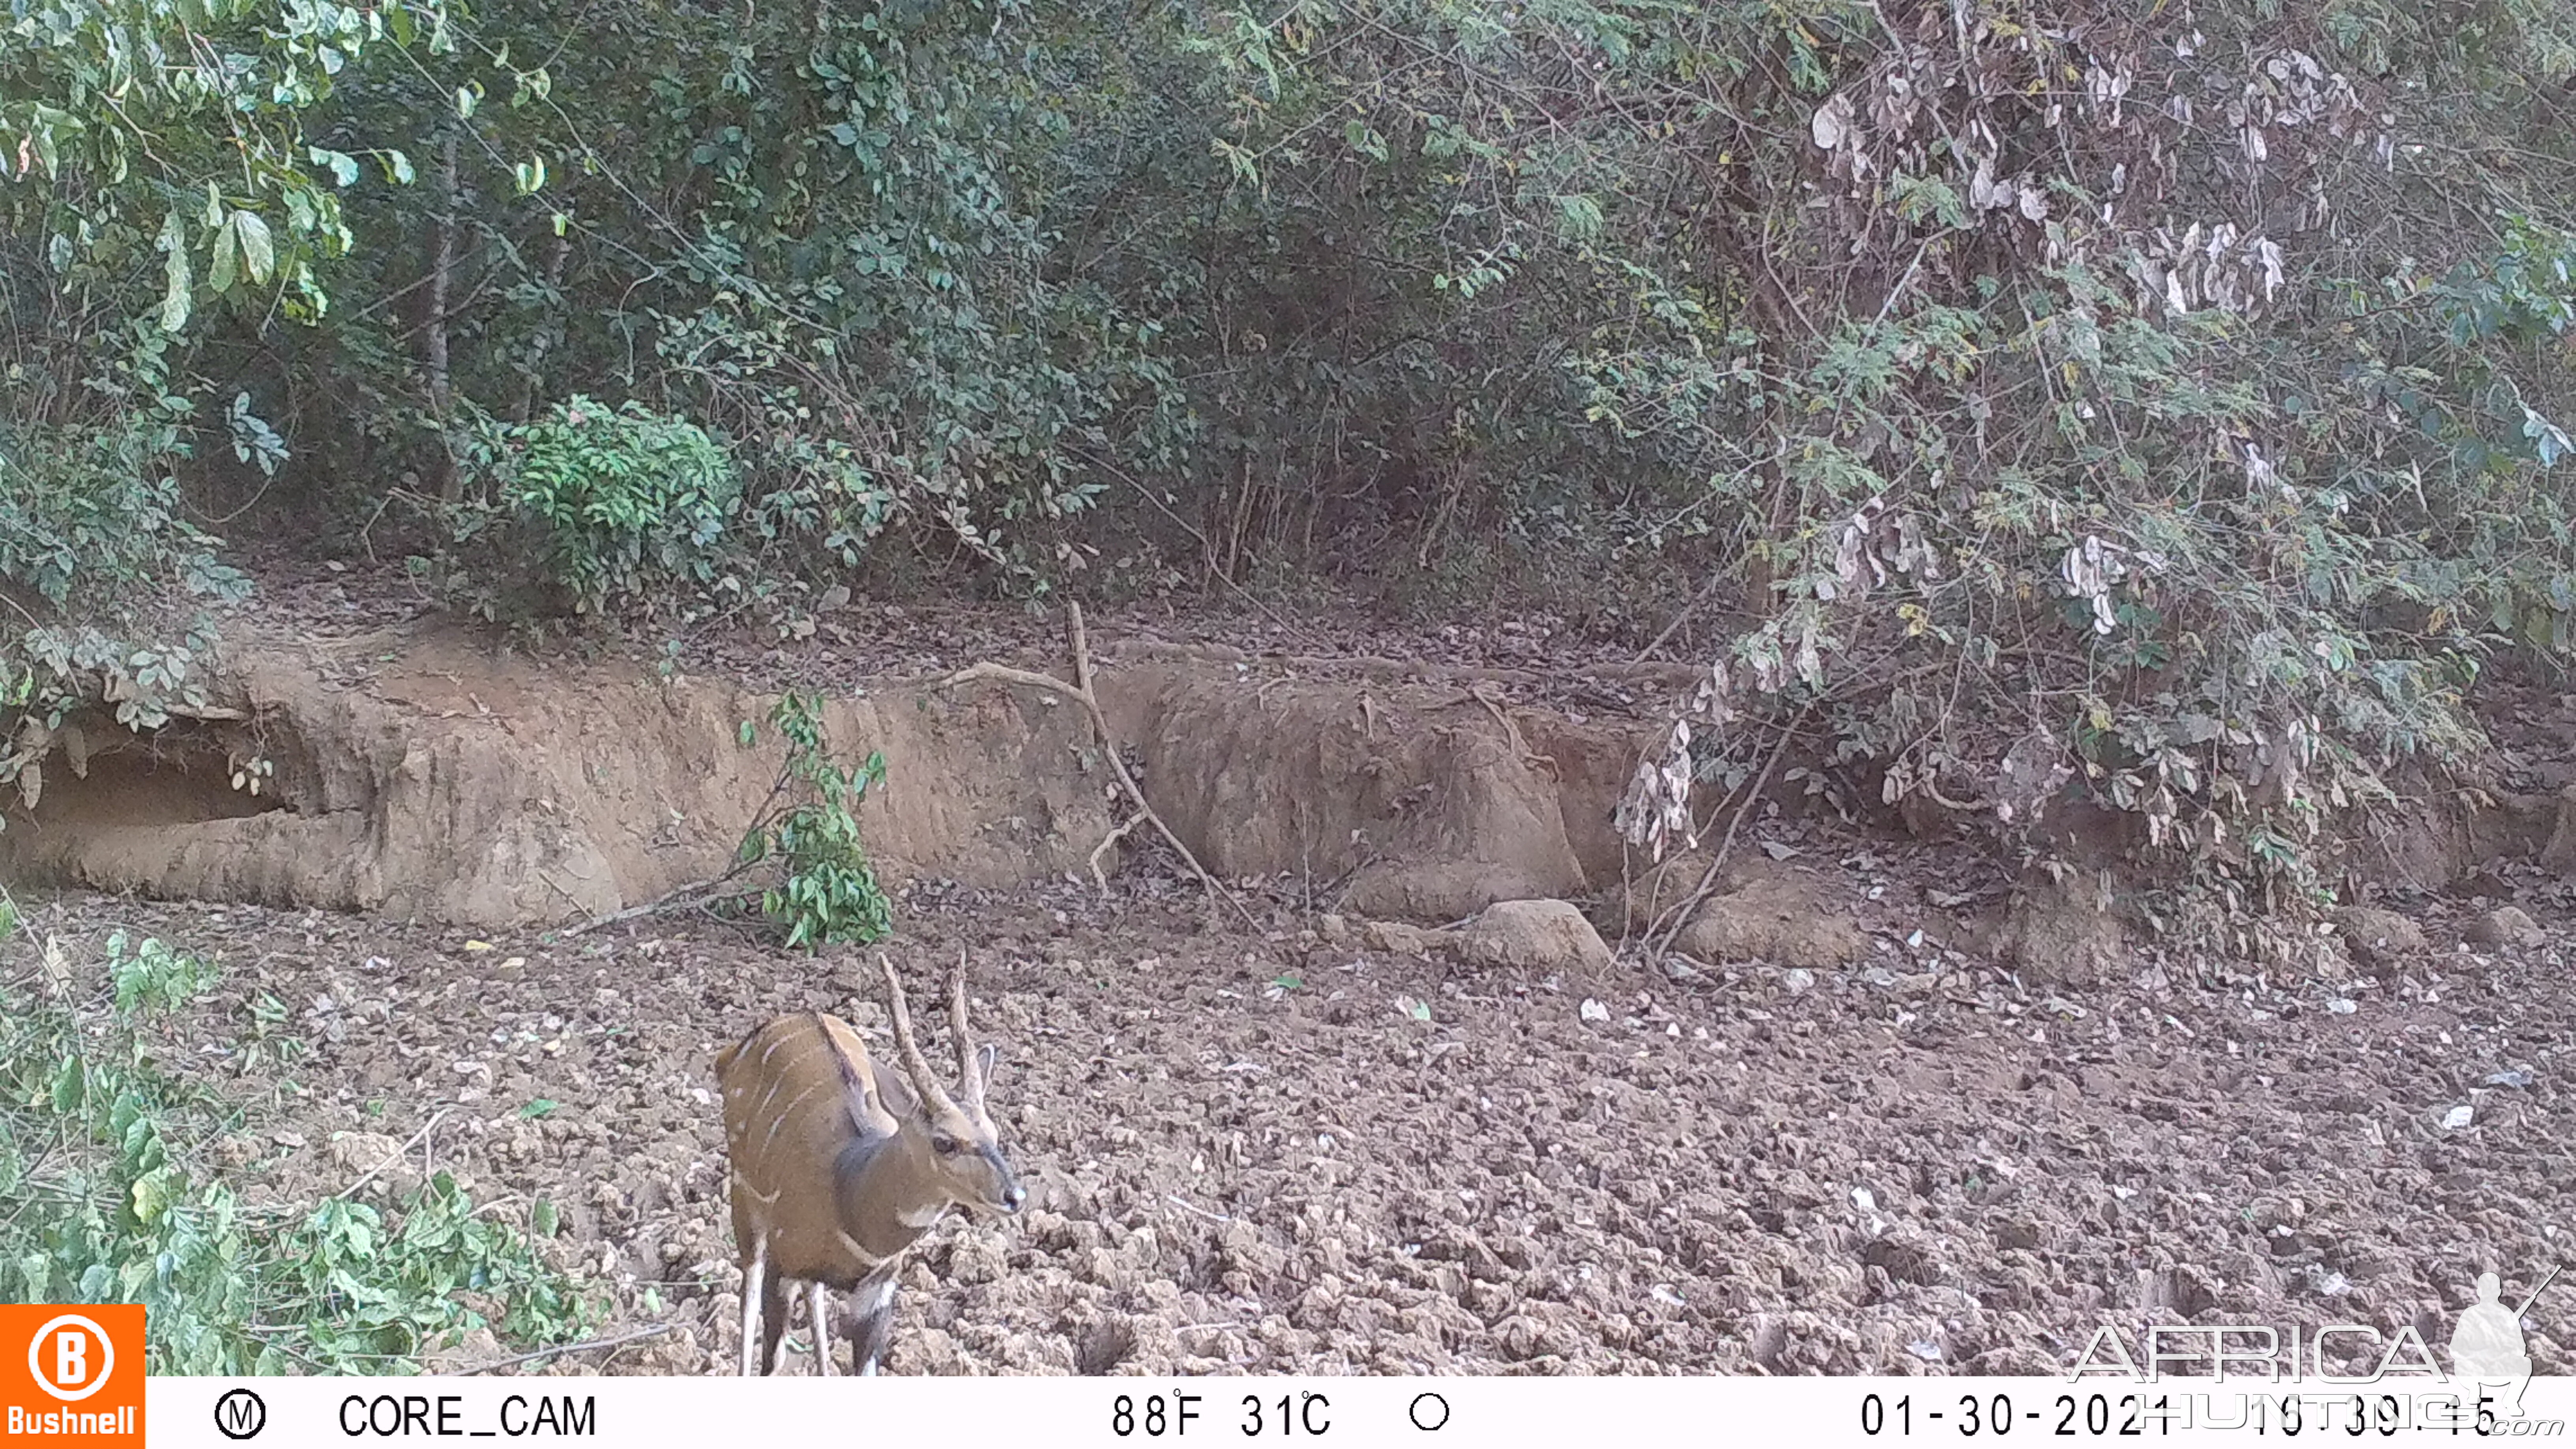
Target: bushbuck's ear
858, 1092
861, 1102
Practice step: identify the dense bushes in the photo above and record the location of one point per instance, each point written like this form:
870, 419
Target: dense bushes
2168, 406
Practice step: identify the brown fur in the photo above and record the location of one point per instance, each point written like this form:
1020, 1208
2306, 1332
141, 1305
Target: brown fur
838, 1166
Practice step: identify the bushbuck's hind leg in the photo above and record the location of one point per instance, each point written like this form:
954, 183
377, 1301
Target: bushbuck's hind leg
773, 1320
755, 1276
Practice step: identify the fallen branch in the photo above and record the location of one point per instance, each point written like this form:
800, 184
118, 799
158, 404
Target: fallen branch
695, 893
1081, 692
612, 1341
394, 1156
1397, 671
699, 893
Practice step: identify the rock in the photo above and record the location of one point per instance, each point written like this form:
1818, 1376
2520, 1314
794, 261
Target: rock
359, 1152
1401, 939
1787, 919
472, 1350
1541, 935
2559, 853
2061, 933
2379, 939
2507, 926
1445, 890
976, 1257
674, 1354
1662, 886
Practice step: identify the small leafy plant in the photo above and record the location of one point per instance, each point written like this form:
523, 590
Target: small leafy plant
154, 978
827, 893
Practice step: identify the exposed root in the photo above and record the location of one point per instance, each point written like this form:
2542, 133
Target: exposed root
1080, 691
1486, 693
1116, 834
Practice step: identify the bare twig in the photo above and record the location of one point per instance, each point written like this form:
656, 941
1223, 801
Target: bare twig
394, 1156
1186, 1205
1706, 591
1082, 693
656, 1331
1660, 934
1207, 548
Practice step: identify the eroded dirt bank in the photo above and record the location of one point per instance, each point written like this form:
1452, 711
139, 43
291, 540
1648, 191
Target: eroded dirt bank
411, 771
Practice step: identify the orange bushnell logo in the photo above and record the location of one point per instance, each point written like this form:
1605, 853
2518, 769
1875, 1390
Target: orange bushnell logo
72, 1371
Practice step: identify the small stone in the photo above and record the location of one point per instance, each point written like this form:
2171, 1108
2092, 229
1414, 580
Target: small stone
1537, 935
2381, 940
1397, 938
2507, 926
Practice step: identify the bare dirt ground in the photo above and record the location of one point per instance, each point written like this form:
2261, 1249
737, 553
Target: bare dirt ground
1913, 1166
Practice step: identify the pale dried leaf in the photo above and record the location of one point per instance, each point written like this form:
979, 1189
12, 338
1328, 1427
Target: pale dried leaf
1831, 123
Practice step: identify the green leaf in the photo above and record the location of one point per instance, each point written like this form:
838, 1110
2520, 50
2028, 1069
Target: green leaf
531, 175
175, 275
258, 252
344, 167
397, 167
539, 1107
153, 1193
541, 1218
220, 269
465, 101
1579, 217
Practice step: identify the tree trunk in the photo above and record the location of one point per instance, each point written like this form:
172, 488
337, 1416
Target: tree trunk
528, 394
442, 267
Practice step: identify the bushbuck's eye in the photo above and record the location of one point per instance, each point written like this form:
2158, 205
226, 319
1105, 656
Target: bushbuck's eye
943, 1144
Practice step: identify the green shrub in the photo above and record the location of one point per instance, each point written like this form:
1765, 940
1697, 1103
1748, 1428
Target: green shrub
608, 507
109, 582
827, 892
